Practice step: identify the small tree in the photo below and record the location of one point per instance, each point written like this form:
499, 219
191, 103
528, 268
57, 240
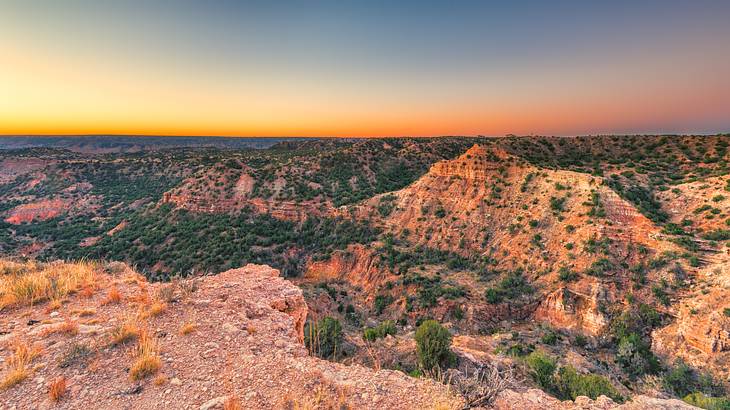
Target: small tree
542, 366
324, 337
433, 346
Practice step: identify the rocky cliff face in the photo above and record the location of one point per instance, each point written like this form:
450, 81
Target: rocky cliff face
224, 199
243, 341
357, 265
571, 309
700, 333
487, 202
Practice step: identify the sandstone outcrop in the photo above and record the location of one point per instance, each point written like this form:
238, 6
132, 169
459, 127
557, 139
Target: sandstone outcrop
280, 209
700, 333
39, 210
571, 309
357, 265
490, 203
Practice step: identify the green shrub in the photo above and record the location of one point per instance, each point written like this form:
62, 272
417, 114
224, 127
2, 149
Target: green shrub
635, 356
680, 379
580, 341
566, 383
549, 338
324, 337
717, 235
381, 302
511, 287
380, 331
706, 402
542, 366
600, 267
566, 274
433, 346
570, 384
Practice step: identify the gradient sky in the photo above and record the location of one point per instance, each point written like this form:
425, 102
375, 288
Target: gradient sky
367, 68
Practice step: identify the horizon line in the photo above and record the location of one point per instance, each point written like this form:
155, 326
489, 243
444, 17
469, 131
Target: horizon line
668, 134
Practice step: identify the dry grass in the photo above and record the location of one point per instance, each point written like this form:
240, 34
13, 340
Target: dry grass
166, 292
57, 389
84, 312
143, 297
232, 403
188, 328
54, 304
146, 358
323, 397
160, 380
18, 364
113, 296
152, 310
67, 327
124, 333
29, 283
157, 308
87, 291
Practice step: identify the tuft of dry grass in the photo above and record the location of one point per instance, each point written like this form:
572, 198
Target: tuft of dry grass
160, 380
124, 333
146, 358
188, 328
54, 304
323, 397
232, 403
57, 389
152, 310
28, 283
114, 296
18, 364
166, 292
87, 291
157, 308
67, 327
86, 312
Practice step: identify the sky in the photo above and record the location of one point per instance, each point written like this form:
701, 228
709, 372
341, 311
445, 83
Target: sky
364, 68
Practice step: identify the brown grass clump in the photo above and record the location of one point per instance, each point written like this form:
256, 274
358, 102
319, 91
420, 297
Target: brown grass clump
232, 403
323, 397
124, 333
29, 283
160, 380
87, 291
54, 304
57, 389
18, 364
188, 328
67, 327
85, 312
166, 293
114, 296
154, 309
146, 358
157, 308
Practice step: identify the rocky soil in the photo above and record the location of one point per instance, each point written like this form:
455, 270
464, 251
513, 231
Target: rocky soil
246, 344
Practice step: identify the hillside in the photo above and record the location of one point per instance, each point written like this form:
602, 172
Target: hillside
234, 336
606, 255
109, 337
